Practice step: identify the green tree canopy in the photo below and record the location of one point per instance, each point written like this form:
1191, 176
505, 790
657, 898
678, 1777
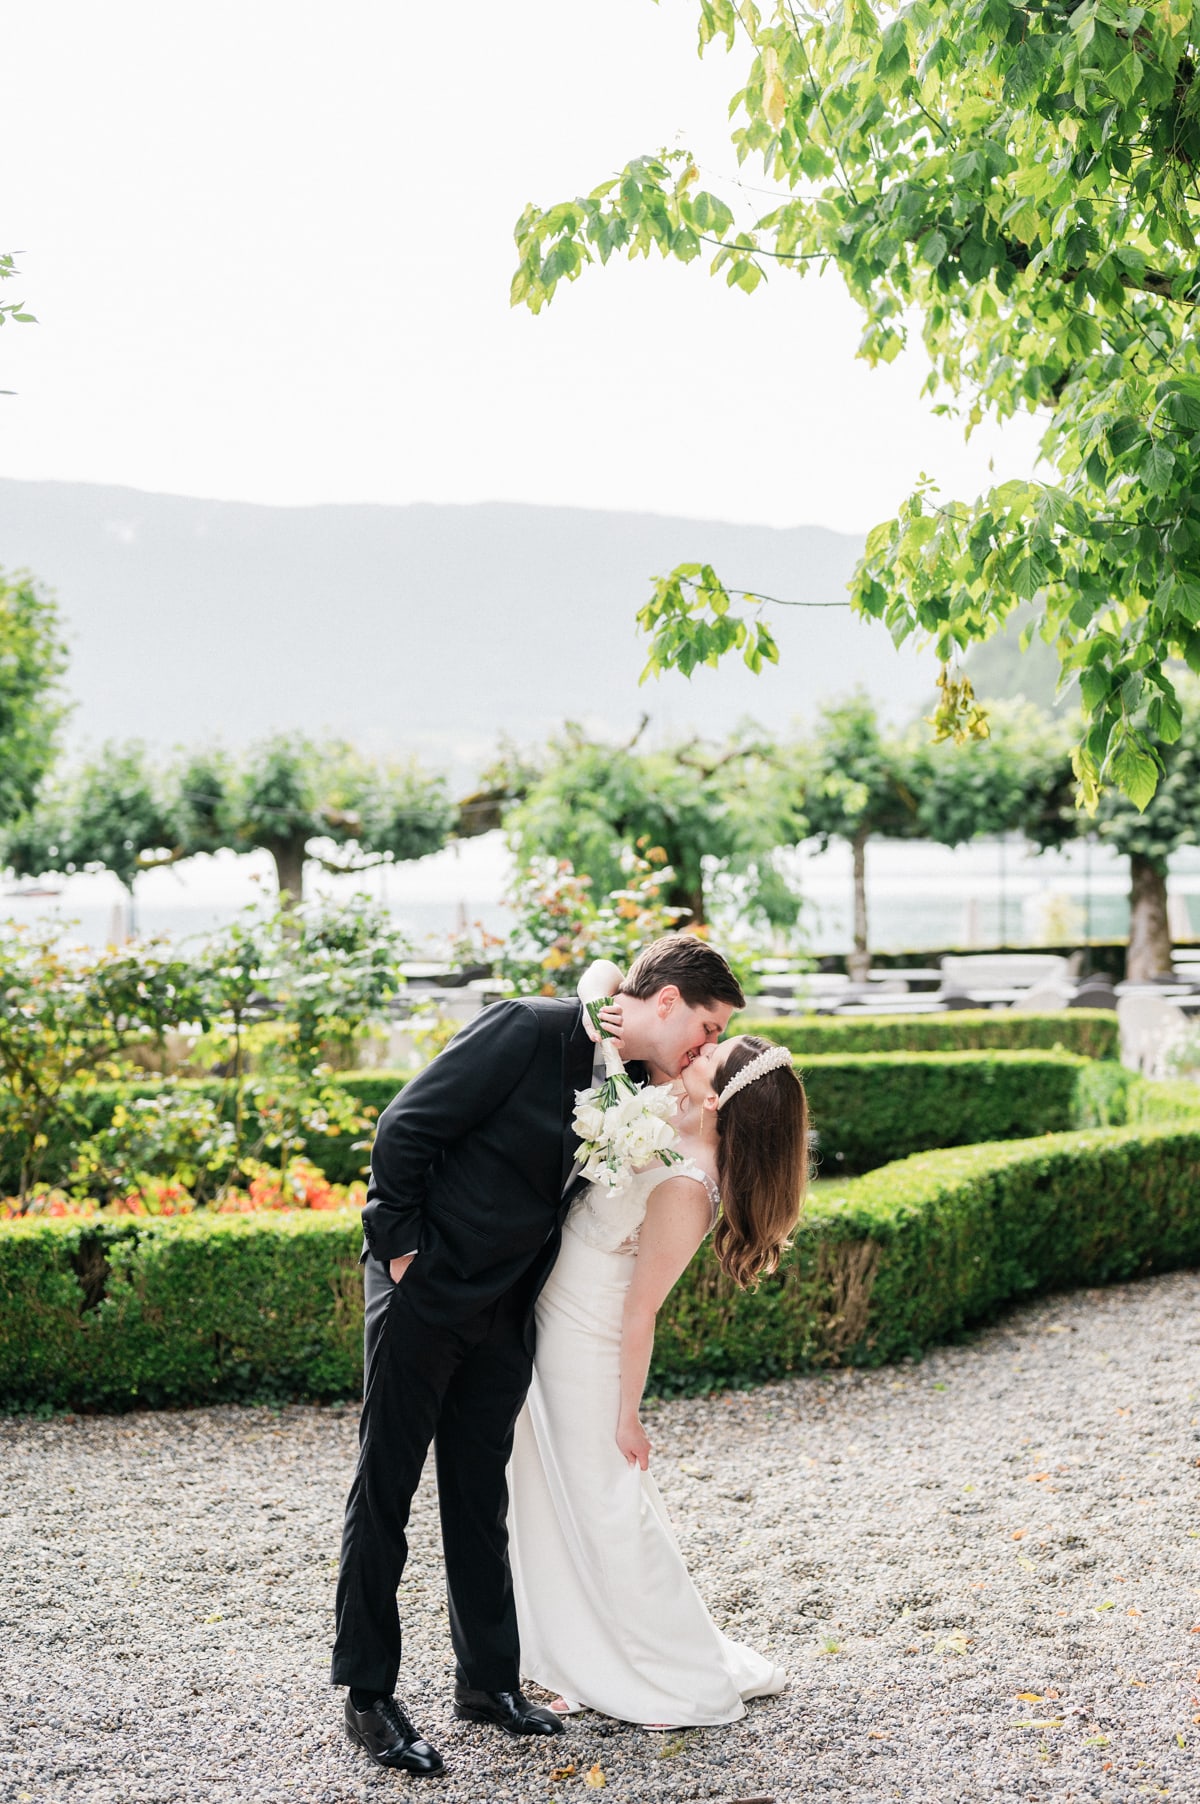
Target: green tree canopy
855, 783
298, 799
33, 658
716, 811
108, 814
1016, 780
1019, 182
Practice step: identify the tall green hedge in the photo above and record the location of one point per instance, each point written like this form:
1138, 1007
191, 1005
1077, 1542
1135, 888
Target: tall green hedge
1090, 1032
129, 1314
867, 1108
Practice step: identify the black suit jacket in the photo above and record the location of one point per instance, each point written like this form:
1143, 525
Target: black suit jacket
471, 1159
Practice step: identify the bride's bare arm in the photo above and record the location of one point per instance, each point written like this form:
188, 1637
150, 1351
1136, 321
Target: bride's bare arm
677, 1218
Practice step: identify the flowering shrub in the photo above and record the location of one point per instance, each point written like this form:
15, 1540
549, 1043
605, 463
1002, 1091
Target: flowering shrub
154, 1196
561, 927
68, 1015
46, 1202
307, 983
301, 1185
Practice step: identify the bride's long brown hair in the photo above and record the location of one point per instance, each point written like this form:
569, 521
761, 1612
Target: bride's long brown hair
762, 1165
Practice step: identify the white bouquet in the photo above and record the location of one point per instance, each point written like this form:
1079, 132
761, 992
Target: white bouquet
623, 1126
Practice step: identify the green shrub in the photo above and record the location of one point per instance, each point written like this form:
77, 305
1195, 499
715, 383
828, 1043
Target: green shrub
1092, 1033
341, 1157
871, 1108
135, 1313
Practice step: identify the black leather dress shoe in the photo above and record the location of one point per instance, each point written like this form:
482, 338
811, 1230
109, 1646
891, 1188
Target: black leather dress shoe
385, 1733
509, 1710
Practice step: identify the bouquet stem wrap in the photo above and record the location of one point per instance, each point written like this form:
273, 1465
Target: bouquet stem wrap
623, 1126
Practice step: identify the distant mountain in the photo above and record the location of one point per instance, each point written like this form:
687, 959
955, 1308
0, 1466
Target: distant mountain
426, 628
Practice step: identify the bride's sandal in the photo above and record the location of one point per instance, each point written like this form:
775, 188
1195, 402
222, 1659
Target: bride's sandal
564, 1707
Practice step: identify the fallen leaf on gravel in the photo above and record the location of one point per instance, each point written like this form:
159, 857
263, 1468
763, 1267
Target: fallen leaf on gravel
1030, 1697
1018, 1534
564, 1772
595, 1777
217, 1618
878, 1734
1133, 1612
1107, 1605
1038, 1722
1097, 1741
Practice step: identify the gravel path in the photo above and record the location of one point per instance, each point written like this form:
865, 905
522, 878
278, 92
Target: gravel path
919, 1546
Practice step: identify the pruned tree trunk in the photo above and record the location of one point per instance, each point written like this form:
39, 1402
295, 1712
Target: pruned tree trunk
289, 868
1149, 953
859, 962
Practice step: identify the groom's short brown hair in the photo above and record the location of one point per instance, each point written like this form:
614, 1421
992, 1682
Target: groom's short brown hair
696, 969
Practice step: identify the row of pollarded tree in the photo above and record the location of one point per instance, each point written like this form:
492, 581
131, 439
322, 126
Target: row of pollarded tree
729, 810
720, 812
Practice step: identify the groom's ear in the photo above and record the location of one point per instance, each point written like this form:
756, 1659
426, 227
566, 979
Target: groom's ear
666, 999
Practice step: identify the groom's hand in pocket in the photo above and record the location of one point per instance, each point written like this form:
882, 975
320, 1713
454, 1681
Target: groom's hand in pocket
398, 1267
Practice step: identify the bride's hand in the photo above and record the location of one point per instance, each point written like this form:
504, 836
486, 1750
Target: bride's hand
631, 1439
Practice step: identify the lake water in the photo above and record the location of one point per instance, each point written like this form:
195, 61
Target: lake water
919, 895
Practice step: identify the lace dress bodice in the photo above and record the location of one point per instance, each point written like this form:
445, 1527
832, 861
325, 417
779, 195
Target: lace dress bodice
611, 1220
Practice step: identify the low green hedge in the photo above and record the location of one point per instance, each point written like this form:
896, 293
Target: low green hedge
134, 1313
128, 1313
871, 1108
912, 1254
1090, 1032
868, 1108
1160, 1099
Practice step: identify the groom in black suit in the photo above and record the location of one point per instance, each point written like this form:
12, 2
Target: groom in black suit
471, 1176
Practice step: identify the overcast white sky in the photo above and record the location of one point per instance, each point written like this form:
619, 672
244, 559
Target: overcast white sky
269, 247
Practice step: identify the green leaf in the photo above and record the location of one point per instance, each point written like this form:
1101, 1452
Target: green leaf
1135, 772
1155, 467
932, 248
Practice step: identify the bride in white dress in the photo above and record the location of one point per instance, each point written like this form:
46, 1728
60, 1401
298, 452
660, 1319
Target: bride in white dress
609, 1617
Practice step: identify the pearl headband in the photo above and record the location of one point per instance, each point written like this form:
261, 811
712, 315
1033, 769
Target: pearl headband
773, 1059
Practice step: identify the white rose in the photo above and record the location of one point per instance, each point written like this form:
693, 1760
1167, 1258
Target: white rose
589, 1122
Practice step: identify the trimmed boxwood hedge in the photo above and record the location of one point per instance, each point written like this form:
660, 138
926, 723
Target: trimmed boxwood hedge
1090, 1032
867, 1108
134, 1313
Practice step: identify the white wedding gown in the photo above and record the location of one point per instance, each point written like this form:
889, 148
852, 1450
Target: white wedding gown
608, 1615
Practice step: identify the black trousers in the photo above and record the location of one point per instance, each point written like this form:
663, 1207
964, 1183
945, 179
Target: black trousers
464, 1383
